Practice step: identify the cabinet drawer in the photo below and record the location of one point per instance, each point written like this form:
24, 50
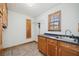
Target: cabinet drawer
52, 41
40, 37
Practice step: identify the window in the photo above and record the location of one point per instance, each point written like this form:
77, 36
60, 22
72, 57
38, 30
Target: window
54, 21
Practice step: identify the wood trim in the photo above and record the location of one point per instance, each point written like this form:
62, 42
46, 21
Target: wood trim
58, 13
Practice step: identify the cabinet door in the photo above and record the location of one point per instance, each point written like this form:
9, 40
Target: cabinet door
5, 14
66, 49
1, 7
42, 45
51, 47
0, 33
67, 52
52, 50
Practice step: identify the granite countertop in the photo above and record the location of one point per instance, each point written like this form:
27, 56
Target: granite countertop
59, 39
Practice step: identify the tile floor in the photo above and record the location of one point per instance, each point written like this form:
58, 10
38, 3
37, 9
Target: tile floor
29, 49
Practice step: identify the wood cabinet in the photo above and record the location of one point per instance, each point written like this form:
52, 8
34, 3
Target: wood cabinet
42, 44
1, 8
51, 47
3, 20
0, 33
66, 49
5, 14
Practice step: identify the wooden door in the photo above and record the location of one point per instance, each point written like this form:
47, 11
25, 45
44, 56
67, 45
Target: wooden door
28, 28
42, 45
0, 33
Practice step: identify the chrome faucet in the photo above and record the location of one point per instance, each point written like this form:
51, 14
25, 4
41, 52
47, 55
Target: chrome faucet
72, 36
67, 31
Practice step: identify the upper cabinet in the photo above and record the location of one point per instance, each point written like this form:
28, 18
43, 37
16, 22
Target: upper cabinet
4, 13
3, 20
0, 31
1, 27
54, 21
1, 10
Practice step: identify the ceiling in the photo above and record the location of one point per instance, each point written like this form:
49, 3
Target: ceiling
33, 11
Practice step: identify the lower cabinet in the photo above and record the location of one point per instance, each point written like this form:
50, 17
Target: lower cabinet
66, 49
42, 44
53, 47
5, 14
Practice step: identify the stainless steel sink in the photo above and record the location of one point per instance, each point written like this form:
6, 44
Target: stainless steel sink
64, 38
67, 39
